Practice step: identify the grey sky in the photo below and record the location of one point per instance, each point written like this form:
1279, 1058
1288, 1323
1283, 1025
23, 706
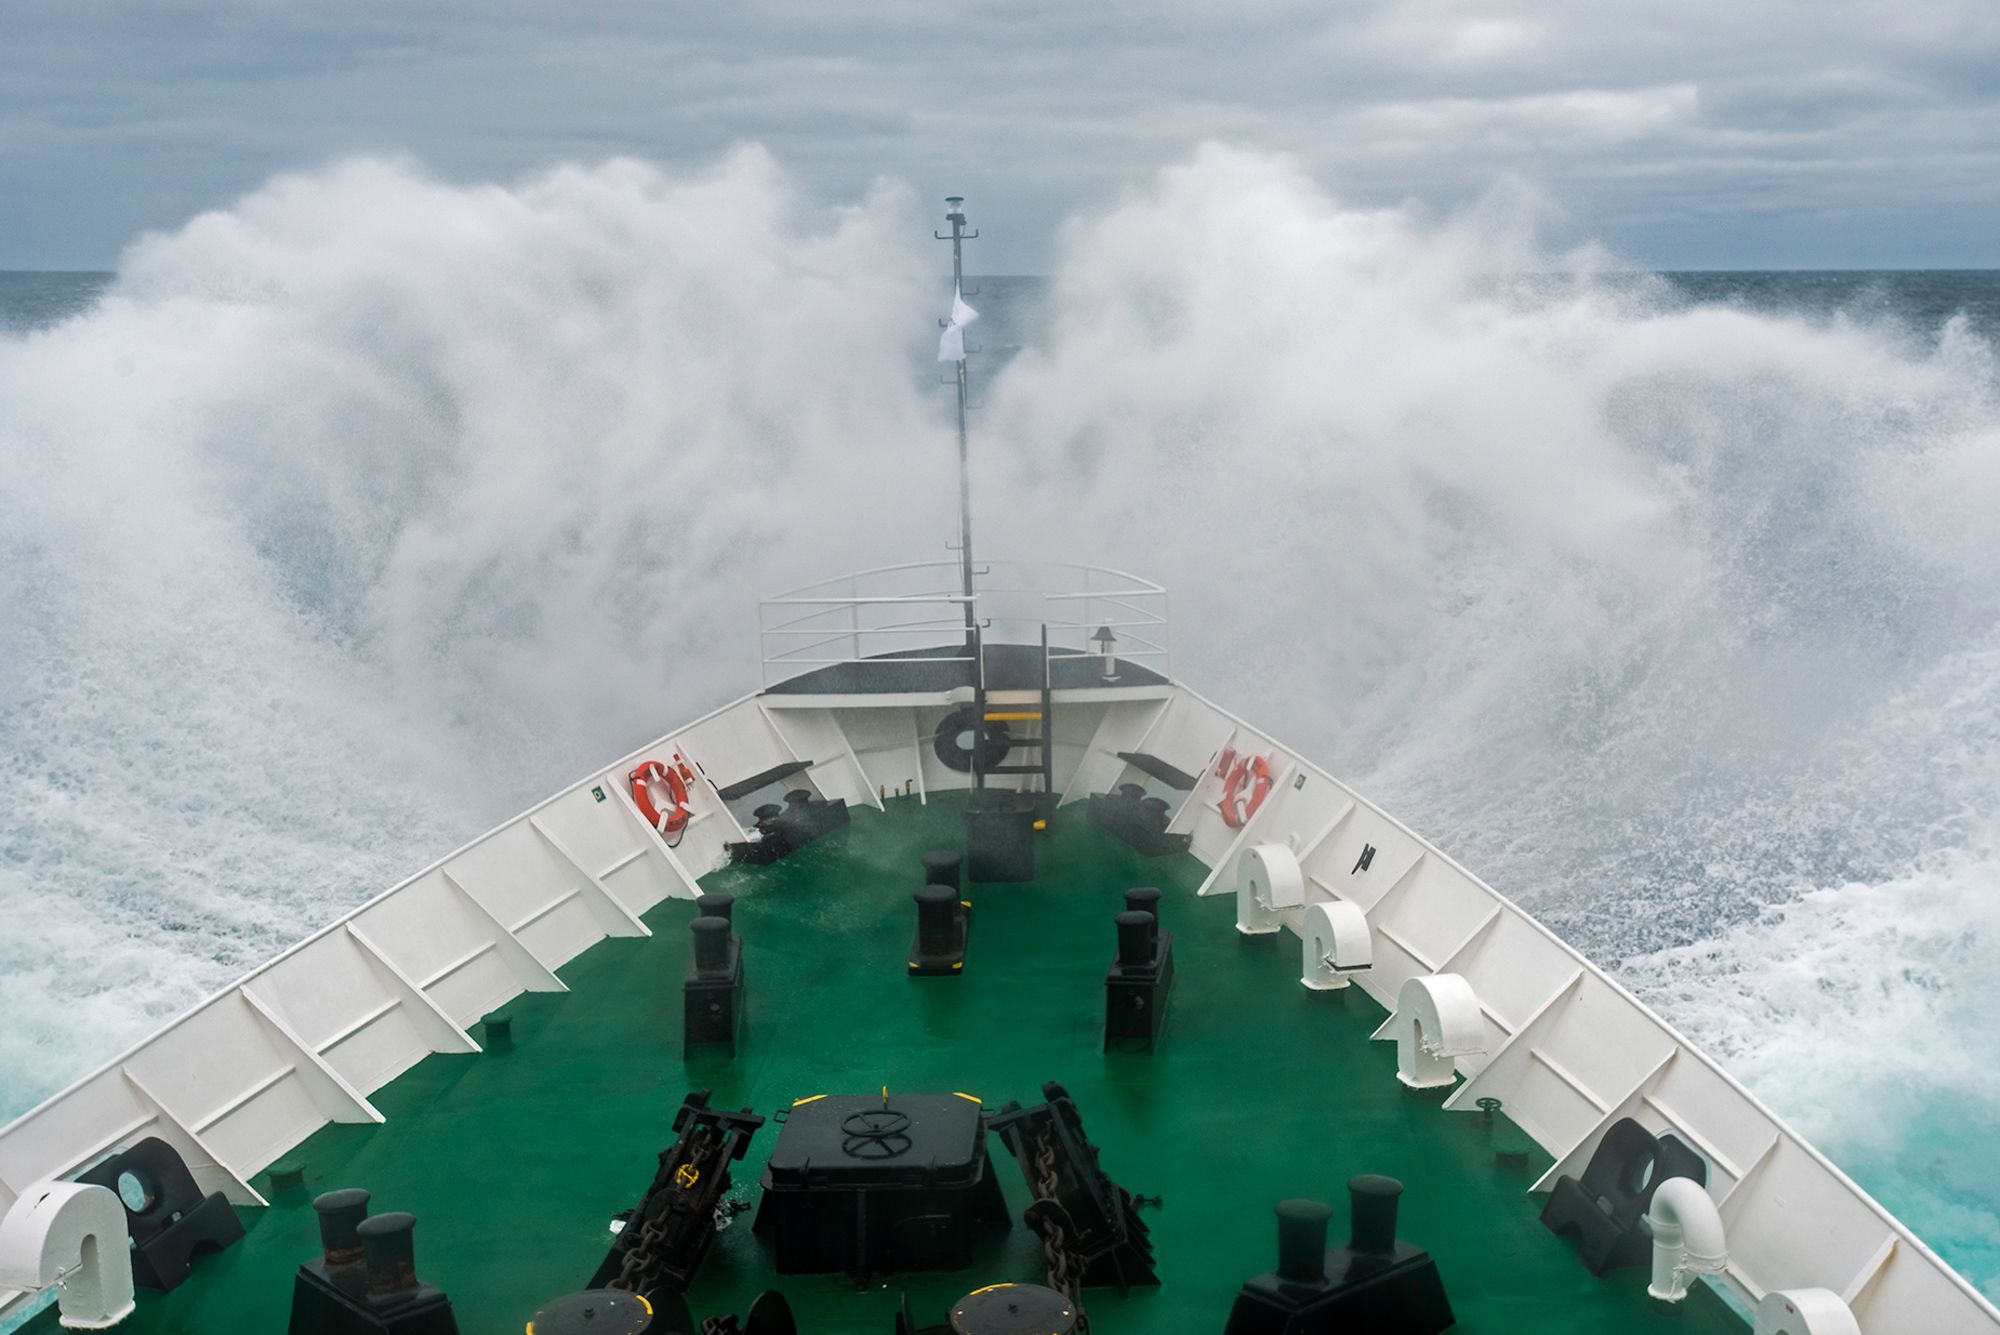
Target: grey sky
1682, 133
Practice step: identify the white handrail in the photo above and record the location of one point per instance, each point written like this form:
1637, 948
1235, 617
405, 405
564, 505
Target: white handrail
883, 598
1012, 595
1139, 582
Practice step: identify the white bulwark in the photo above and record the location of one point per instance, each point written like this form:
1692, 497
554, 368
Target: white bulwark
307, 1038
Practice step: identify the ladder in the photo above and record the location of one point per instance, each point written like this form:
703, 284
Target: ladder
1015, 707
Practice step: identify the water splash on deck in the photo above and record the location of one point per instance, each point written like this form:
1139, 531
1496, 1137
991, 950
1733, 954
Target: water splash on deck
367, 510
357, 516
1676, 622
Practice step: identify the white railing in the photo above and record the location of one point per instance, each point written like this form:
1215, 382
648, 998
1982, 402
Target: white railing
917, 612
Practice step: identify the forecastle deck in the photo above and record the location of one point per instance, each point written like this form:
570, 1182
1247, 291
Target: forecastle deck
514, 1161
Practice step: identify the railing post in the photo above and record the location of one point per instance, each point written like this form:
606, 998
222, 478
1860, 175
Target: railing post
806, 611
1089, 612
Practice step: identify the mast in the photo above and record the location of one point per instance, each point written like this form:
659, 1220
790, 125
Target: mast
955, 215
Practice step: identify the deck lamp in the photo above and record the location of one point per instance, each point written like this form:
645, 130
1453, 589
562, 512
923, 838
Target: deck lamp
1107, 653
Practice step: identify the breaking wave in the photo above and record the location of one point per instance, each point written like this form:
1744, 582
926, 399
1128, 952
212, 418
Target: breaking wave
355, 517
1675, 621
362, 512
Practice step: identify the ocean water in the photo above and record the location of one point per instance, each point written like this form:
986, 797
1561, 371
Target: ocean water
350, 517
31, 299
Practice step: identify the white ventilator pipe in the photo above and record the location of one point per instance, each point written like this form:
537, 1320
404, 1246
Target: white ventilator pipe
74, 1235
1336, 942
1267, 879
1687, 1237
1436, 1021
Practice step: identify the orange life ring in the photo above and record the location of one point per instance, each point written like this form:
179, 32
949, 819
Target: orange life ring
1236, 808
648, 781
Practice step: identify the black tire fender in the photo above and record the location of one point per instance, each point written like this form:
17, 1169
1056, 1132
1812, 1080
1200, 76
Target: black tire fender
992, 740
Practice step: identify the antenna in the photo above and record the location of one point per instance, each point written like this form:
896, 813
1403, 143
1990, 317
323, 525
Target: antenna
955, 215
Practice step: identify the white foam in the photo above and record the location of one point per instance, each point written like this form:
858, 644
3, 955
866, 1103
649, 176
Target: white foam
362, 513
1675, 622
372, 507
1867, 1011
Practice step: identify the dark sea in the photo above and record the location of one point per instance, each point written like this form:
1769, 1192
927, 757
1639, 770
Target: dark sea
34, 299
1919, 299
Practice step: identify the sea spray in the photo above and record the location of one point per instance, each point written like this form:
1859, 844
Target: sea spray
367, 510
361, 514
1676, 622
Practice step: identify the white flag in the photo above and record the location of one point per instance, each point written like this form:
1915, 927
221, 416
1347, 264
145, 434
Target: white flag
951, 347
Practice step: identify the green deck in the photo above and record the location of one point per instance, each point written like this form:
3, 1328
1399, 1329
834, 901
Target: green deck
514, 1161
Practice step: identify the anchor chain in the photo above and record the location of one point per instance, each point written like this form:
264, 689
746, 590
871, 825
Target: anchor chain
1064, 1267
643, 1261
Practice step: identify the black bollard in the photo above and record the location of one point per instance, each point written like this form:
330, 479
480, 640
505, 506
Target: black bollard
717, 906
1137, 984
781, 830
1139, 820
367, 1283
1302, 1240
1135, 939
1374, 1283
711, 946
937, 925
943, 924
1145, 899
389, 1248
712, 989
340, 1215
941, 867
1373, 1202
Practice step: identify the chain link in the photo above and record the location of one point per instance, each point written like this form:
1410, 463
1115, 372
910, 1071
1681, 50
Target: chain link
643, 1262
1064, 1267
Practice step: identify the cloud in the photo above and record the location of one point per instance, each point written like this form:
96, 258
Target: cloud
1581, 118
1680, 131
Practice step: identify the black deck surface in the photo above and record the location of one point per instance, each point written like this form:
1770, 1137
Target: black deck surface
1009, 667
